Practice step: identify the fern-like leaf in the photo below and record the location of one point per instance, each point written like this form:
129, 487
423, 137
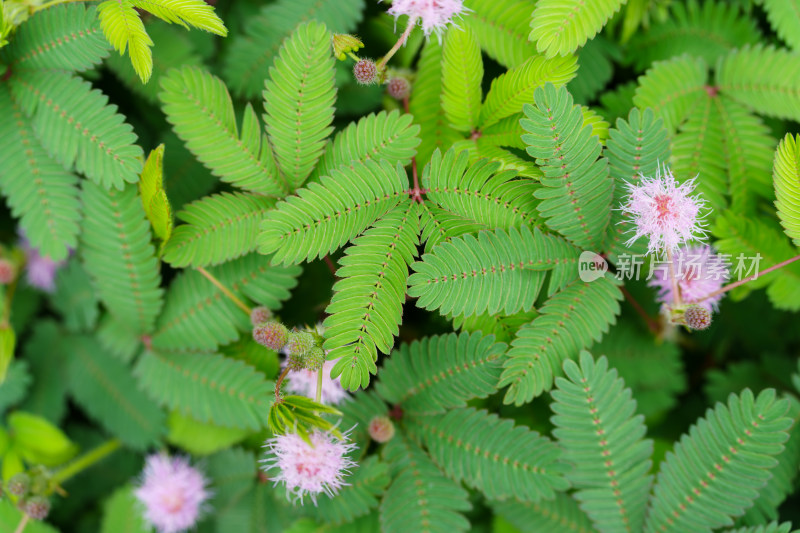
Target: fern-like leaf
560, 27
787, 185
325, 215
118, 255
298, 101
492, 455
764, 79
496, 272
198, 317
772, 527
367, 304
219, 228
438, 225
104, 388
187, 13
75, 124
38, 189
784, 17
602, 439
364, 486
569, 322
420, 498
462, 72
502, 29
511, 90
479, 192
200, 109
124, 30
207, 387
715, 471
672, 88
391, 136
577, 193
558, 515
443, 372
66, 37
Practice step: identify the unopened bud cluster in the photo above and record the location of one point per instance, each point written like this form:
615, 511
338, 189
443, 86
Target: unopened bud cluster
302, 348
28, 490
693, 316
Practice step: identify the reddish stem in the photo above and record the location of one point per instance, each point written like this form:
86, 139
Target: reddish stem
330, 264
739, 283
652, 324
278, 384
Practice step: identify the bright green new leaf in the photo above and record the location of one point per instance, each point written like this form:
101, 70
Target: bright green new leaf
787, 185
462, 72
201, 438
39, 441
124, 29
197, 13
559, 27
154, 197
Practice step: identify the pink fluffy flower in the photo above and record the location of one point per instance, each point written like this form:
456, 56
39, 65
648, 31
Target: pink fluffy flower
40, 269
699, 272
172, 493
664, 211
309, 469
304, 383
433, 15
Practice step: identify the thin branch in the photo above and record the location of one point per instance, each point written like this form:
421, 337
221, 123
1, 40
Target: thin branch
232, 297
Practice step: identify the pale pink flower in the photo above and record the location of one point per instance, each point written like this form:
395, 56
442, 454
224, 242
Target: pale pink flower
304, 383
40, 270
309, 469
172, 492
699, 272
663, 211
433, 15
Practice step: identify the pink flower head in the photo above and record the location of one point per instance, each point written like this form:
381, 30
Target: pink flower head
309, 468
304, 382
664, 212
433, 15
40, 269
172, 493
699, 272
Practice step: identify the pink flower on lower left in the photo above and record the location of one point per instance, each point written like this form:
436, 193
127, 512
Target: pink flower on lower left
172, 492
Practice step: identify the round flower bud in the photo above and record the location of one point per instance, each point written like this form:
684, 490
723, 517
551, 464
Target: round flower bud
296, 361
315, 358
381, 429
7, 271
398, 88
271, 334
299, 342
259, 315
19, 484
365, 72
37, 507
697, 317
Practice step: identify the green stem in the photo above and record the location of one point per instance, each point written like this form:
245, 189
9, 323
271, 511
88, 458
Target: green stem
22, 524
232, 297
85, 461
400, 42
319, 383
53, 3
676, 290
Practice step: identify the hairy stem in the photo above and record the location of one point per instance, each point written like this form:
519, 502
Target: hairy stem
400, 42
731, 286
85, 461
278, 383
22, 524
232, 297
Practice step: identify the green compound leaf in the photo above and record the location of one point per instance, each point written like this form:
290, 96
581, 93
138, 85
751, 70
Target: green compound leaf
511, 90
199, 317
545, 516
602, 438
117, 253
197, 13
577, 193
715, 471
38, 190
772, 527
298, 101
491, 455
65, 37
154, 197
199, 107
207, 387
479, 192
325, 215
672, 89
75, 297
787, 185
784, 17
420, 498
77, 126
364, 488
103, 387
764, 79
391, 136
502, 29
121, 513
462, 72
569, 322
439, 373
219, 228
494, 272
559, 27
123, 28
367, 304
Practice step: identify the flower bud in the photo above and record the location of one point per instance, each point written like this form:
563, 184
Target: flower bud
271, 334
398, 88
697, 317
381, 429
8, 271
315, 358
365, 72
37, 507
296, 362
299, 342
19, 484
259, 315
